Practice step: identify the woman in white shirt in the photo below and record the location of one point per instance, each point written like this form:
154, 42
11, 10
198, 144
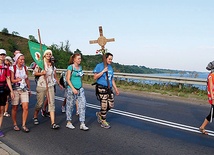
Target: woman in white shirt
19, 78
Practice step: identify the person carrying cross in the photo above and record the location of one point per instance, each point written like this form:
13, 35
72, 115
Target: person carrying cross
104, 87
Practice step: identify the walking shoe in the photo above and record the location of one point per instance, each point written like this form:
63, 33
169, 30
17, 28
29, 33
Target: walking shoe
99, 118
43, 113
70, 126
83, 127
1, 134
63, 109
105, 124
55, 126
35, 120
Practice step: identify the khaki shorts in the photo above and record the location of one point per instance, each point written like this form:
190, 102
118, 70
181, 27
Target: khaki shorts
20, 95
41, 93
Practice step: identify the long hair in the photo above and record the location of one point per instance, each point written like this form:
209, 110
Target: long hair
71, 60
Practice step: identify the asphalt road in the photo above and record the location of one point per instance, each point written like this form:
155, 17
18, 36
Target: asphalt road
140, 125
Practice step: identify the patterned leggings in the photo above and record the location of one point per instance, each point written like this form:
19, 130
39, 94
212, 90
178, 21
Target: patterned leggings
106, 101
70, 102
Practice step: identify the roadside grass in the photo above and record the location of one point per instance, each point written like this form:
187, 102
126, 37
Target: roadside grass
184, 91
179, 90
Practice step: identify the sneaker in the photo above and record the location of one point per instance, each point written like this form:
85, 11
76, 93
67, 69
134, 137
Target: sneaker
83, 127
35, 120
43, 113
55, 126
99, 118
70, 126
6, 114
63, 109
1, 134
105, 124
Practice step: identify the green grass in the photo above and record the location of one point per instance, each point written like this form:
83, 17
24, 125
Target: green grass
187, 92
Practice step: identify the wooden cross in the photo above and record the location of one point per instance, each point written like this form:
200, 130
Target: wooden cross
101, 40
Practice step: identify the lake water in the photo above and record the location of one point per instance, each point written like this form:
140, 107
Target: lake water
201, 75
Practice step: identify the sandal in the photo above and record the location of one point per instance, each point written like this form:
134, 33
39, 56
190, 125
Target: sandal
6, 114
16, 128
25, 129
54, 126
35, 120
203, 131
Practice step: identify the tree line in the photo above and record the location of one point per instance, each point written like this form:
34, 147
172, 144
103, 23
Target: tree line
13, 41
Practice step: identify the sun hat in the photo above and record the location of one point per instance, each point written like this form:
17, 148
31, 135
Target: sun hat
17, 56
47, 51
2, 51
9, 59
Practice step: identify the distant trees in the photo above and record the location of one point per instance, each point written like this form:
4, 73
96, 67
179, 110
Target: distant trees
15, 33
5, 31
61, 52
32, 38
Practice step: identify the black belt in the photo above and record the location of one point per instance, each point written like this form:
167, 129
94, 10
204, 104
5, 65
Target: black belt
101, 86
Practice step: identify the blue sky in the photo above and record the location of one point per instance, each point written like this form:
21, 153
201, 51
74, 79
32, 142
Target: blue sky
169, 34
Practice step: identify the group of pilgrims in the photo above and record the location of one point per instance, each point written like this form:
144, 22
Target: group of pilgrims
15, 90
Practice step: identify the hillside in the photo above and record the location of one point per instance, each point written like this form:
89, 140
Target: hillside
62, 54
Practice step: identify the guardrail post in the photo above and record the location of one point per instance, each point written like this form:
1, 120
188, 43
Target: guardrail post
180, 86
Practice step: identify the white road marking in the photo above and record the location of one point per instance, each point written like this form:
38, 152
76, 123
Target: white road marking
145, 118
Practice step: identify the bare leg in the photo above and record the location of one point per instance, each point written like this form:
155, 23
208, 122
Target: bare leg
45, 104
14, 112
202, 127
24, 113
1, 115
204, 124
52, 116
64, 102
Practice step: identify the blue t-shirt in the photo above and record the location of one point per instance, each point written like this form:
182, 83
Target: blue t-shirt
76, 76
102, 79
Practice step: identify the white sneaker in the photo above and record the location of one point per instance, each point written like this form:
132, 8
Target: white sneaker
83, 127
63, 109
70, 126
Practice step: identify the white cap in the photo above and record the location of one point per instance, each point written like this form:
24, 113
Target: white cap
2, 51
47, 51
17, 57
9, 59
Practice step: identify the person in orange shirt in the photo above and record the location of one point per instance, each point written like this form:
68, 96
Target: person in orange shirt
210, 93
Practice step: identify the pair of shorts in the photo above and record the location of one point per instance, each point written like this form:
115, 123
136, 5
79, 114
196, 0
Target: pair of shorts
41, 93
3, 98
20, 95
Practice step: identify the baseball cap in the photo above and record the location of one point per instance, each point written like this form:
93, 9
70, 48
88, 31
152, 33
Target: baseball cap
2, 51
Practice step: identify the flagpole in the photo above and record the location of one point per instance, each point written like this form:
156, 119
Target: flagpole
40, 42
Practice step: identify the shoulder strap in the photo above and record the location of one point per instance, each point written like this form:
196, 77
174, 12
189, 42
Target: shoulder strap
25, 69
14, 68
